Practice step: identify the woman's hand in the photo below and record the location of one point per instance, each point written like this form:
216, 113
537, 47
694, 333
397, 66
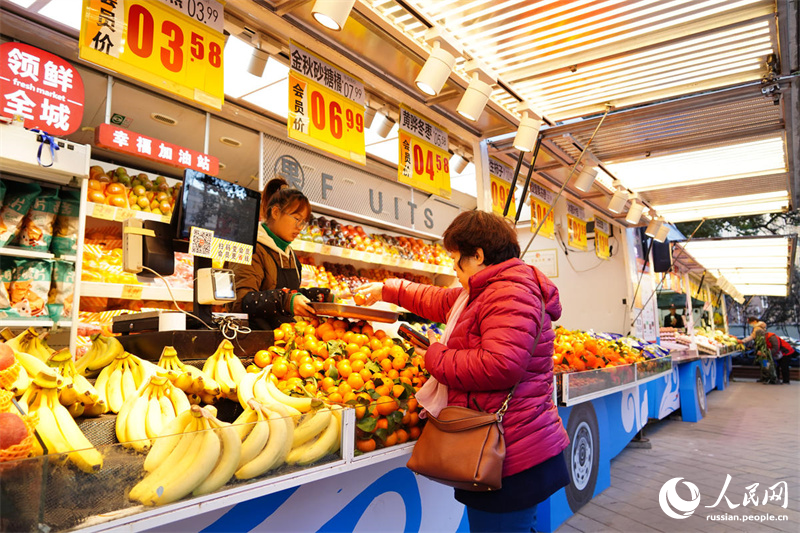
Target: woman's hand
372, 292
421, 350
301, 307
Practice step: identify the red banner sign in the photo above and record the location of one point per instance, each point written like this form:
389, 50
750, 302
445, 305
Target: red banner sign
41, 88
121, 140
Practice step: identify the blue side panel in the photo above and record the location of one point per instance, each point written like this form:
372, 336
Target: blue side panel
692, 393
709, 367
724, 366
247, 515
663, 394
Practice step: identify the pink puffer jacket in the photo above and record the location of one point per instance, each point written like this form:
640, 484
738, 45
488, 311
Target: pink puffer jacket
490, 350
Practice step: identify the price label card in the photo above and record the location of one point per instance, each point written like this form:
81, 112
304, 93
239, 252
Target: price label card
577, 233
123, 214
347, 253
602, 230
326, 249
153, 41
132, 292
501, 176
538, 210
326, 106
106, 212
424, 159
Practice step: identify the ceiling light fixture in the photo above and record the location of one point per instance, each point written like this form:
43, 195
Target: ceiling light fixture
369, 116
332, 13
263, 47
635, 210
385, 124
458, 162
528, 129
586, 178
653, 227
662, 233
478, 92
618, 201
441, 60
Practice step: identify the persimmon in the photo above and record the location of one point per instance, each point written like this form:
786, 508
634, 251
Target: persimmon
368, 331
391, 440
357, 365
382, 423
355, 380
345, 388
398, 390
366, 445
344, 368
386, 405
412, 404
402, 436
361, 410
352, 348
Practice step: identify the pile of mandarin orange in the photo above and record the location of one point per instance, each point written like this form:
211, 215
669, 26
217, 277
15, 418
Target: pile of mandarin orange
350, 363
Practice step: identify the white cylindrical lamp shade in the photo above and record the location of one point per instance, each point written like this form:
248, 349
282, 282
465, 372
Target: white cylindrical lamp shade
663, 231
332, 13
458, 163
435, 71
384, 125
528, 130
618, 201
634, 213
653, 227
258, 62
586, 179
369, 116
474, 100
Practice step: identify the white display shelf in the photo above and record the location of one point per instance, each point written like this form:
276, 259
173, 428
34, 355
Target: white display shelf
14, 251
120, 214
132, 292
30, 322
385, 260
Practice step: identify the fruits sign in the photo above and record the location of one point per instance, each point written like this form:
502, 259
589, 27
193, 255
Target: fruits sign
326, 107
602, 230
424, 161
501, 176
541, 199
154, 42
43, 89
128, 142
576, 226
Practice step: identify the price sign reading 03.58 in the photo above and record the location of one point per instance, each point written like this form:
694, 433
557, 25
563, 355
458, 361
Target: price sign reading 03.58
325, 119
178, 51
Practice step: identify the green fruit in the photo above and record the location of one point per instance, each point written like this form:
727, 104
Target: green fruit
147, 185
156, 211
120, 171
138, 189
160, 180
135, 207
143, 202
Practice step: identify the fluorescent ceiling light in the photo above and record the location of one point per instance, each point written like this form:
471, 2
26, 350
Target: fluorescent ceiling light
68, 12
742, 160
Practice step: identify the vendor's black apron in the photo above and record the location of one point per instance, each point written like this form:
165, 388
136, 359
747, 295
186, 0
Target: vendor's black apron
286, 278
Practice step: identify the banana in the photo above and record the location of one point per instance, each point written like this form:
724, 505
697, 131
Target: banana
281, 427
32, 364
96, 409
47, 428
244, 391
208, 366
98, 347
223, 376
85, 456
167, 410
262, 396
245, 422
184, 381
311, 426
115, 397
301, 404
258, 437
210, 385
68, 395
179, 400
337, 413
313, 451
35, 347
121, 422
228, 460
153, 421
168, 439
22, 383
184, 446
135, 424
113, 349
16, 342
189, 472
101, 384
235, 367
128, 380
76, 409
85, 388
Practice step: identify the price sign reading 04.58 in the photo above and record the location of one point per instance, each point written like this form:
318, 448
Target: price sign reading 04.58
538, 209
500, 188
148, 40
577, 233
423, 165
325, 119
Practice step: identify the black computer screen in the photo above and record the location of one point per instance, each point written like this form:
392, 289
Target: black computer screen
229, 210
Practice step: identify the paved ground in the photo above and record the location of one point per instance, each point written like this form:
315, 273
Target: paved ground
752, 432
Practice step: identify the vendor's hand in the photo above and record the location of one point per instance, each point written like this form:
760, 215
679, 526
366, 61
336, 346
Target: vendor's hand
372, 292
301, 307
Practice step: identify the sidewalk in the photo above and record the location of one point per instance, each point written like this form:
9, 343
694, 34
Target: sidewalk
752, 432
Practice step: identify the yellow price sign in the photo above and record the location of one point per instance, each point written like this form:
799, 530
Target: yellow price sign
152, 42
538, 209
423, 165
132, 292
577, 233
500, 188
602, 231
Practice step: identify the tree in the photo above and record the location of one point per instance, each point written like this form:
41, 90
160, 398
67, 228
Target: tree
779, 311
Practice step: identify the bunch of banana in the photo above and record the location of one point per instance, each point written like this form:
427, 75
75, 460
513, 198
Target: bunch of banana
261, 387
56, 427
153, 406
30, 342
103, 352
195, 453
31, 366
121, 379
77, 394
188, 378
267, 435
317, 435
225, 368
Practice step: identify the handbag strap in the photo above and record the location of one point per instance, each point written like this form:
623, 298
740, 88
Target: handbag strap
504, 407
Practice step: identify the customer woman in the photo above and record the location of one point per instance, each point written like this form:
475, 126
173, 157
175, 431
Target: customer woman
492, 323
268, 289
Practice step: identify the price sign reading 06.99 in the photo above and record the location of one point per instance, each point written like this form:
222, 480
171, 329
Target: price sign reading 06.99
150, 41
577, 233
325, 119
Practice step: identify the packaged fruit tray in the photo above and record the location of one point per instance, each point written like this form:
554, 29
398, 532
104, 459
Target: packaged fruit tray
355, 312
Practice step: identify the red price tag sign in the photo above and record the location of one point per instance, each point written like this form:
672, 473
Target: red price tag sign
538, 209
500, 188
325, 119
577, 233
157, 44
423, 165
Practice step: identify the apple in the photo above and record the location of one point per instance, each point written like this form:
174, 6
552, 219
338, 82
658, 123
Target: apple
14, 430
6, 356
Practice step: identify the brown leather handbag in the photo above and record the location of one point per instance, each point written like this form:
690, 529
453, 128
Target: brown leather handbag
464, 448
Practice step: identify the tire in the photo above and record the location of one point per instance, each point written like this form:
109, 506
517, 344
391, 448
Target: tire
700, 391
582, 455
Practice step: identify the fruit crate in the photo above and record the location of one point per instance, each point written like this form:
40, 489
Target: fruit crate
578, 387
652, 369
48, 493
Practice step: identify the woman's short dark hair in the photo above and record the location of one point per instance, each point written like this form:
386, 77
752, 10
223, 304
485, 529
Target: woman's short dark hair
478, 229
277, 193
751, 319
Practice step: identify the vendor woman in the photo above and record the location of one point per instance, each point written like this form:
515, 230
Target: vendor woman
268, 289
